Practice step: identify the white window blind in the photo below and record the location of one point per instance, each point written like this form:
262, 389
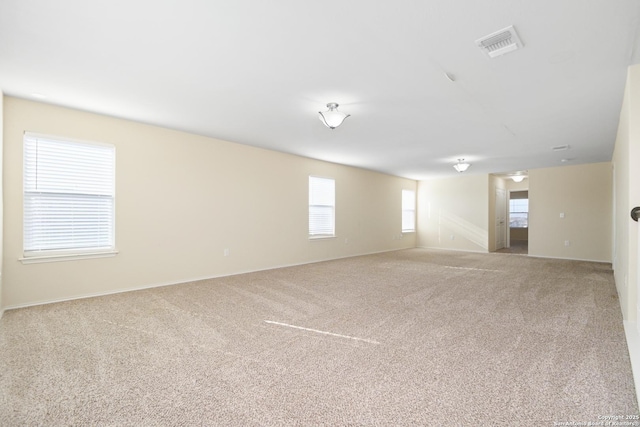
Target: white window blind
408, 211
68, 196
519, 213
322, 195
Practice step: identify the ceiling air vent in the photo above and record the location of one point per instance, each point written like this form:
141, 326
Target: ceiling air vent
500, 42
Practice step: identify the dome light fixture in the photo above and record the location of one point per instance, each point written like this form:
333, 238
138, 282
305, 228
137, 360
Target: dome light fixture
461, 166
332, 118
518, 178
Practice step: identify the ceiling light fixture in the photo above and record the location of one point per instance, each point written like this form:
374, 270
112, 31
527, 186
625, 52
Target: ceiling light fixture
461, 166
332, 118
517, 178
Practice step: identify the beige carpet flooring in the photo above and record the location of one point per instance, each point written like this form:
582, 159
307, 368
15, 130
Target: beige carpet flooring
414, 337
518, 247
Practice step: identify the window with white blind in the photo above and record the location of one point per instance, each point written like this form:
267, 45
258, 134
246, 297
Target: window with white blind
322, 196
408, 211
69, 190
519, 213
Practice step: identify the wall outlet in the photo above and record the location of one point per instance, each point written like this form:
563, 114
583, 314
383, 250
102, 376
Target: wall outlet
346, 241
226, 252
567, 243
452, 237
562, 215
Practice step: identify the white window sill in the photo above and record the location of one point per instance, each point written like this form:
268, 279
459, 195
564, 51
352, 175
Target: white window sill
66, 257
321, 237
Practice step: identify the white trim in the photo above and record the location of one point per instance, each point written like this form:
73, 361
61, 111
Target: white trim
103, 193
570, 259
533, 256
413, 210
454, 249
66, 139
313, 184
189, 280
66, 257
633, 343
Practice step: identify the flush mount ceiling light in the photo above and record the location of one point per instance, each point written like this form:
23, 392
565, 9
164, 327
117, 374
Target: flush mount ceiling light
517, 178
461, 166
332, 118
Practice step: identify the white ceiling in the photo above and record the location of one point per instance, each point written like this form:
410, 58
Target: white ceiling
257, 72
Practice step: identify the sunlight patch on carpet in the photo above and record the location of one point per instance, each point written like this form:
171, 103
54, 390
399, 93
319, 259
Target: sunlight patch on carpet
473, 269
271, 322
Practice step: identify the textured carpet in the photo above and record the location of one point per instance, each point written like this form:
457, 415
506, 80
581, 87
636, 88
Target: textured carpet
413, 337
518, 247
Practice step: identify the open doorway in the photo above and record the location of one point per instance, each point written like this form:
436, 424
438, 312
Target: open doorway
518, 233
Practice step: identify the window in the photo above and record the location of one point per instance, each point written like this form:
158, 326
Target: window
408, 211
68, 197
322, 195
519, 213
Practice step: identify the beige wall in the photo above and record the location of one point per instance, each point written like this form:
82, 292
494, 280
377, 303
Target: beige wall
626, 162
519, 194
182, 199
453, 213
518, 234
584, 194
517, 186
464, 207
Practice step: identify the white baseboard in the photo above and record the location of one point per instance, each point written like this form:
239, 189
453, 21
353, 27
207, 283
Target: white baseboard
181, 281
454, 249
571, 259
633, 343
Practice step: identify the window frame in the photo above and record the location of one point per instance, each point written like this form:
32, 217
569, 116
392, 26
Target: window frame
518, 212
332, 225
60, 197
406, 209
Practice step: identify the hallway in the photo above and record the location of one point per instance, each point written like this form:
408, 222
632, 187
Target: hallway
518, 247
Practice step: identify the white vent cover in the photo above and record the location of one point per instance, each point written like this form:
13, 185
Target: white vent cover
500, 42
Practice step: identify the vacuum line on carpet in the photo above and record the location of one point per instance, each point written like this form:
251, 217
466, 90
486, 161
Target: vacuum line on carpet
322, 332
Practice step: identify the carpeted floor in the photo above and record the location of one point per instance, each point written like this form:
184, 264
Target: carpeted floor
518, 247
414, 337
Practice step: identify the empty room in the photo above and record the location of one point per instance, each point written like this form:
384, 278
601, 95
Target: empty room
339, 213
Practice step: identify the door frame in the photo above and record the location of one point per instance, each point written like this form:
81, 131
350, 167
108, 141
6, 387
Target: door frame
508, 222
505, 215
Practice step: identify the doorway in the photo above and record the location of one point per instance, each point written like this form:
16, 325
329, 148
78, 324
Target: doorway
518, 231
